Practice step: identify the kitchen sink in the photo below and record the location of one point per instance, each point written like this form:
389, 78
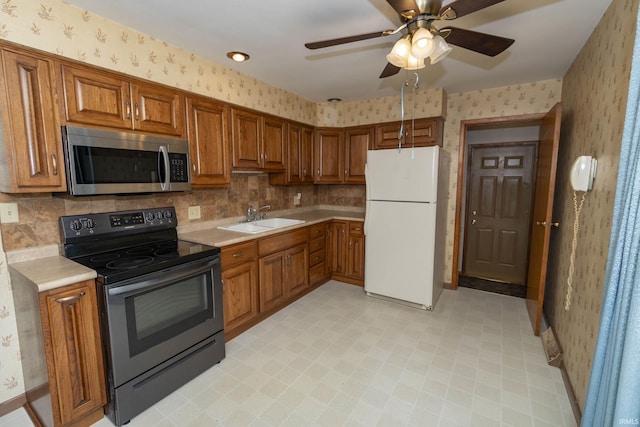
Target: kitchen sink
261, 226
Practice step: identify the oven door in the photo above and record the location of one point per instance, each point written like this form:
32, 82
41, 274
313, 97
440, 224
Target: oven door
157, 316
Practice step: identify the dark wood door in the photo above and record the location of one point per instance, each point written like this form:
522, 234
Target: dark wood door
297, 259
294, 154
499, 196
339, 247
273, 150
306, 155
209, 143
542, 211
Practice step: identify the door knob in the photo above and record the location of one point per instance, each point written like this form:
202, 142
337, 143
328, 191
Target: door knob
473, 221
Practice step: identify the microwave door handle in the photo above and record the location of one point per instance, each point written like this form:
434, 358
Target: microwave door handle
167, 179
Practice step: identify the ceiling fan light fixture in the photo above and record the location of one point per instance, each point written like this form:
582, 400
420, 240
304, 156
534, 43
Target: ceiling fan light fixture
414, 63
422, 44
400, 53
441, 49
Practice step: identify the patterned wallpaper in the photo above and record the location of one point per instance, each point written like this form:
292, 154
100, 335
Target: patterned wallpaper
53, 26
594, 96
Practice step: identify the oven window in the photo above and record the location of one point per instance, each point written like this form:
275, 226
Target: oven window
162, 313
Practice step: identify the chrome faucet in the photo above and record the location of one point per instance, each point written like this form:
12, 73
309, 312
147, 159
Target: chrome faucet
254, 214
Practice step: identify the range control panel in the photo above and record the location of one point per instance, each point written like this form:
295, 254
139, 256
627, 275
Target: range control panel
113, 222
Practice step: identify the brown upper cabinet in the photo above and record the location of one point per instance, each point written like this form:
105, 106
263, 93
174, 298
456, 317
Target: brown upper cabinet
328, 157
357, 141
258, 141
107, 100
32, 142
208, 131
419, 133
299, 155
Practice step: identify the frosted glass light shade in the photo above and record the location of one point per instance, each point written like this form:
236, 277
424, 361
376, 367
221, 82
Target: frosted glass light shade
422, 44
414, 63
441, 50
400, 53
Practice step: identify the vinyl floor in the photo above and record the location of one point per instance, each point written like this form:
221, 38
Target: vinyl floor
340, 358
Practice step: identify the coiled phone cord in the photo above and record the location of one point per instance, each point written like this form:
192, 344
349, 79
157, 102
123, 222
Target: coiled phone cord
574, 245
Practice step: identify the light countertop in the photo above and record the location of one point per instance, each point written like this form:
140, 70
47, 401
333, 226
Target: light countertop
50, 273
216, 237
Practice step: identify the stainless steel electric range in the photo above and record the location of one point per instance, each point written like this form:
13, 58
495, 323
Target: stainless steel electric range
160, 302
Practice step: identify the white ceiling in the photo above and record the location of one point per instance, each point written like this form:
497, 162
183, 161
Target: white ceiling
548, 33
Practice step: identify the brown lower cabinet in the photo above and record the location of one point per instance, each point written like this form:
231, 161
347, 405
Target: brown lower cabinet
60, 338
264, 275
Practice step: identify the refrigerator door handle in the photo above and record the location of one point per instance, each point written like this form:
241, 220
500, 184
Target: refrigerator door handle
367, 214
368, 202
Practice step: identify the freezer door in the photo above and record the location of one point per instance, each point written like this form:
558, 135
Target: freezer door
408, 175
400, 246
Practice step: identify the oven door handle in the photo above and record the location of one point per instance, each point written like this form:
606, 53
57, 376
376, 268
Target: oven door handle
159, 280
166, 182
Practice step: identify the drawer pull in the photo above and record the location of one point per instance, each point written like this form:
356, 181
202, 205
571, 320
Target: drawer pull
357, 228
71, 299
238, 254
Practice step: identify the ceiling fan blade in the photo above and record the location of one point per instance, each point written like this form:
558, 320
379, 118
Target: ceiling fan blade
389, 70
343, 40
405, 8
465, 7
483, 43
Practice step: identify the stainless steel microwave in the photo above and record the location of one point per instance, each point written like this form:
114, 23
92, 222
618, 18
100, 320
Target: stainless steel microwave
109, 162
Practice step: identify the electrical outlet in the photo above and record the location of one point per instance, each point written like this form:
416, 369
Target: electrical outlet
296, 199
9, 213
194, 212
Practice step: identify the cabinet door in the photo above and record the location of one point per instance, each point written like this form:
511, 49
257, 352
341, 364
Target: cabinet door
94, 98
355, 257
273, 150
357, 142
209, 143
297, 263
158, 109
34, 147
299, 154
306, 155
246, 131
240, 298
272, 280
338, 247
72, 341
420, 133
424, 133
328, 156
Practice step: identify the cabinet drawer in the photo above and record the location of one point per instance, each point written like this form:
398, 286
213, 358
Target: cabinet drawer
317, 230
356, 227
316, 244
317, 272
237, 254
316, 258
282, 241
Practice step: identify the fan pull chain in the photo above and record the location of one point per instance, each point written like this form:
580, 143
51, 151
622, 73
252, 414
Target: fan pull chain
413, 117
401, 133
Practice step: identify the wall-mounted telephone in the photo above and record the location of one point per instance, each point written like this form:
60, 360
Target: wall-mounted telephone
583, 172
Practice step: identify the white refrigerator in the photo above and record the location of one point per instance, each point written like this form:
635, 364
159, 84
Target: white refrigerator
405, 224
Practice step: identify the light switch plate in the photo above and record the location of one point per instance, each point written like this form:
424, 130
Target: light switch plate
9, 213
194, 212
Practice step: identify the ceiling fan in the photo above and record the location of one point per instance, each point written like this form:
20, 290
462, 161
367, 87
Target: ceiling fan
421, 38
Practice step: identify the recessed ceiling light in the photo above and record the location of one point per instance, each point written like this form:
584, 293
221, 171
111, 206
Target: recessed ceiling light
238, 56
334, 100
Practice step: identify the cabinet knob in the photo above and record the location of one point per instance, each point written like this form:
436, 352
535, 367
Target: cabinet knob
238, 254
137, 111
127, 106
194, 168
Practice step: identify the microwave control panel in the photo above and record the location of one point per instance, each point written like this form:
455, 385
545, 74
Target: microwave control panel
178, 167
